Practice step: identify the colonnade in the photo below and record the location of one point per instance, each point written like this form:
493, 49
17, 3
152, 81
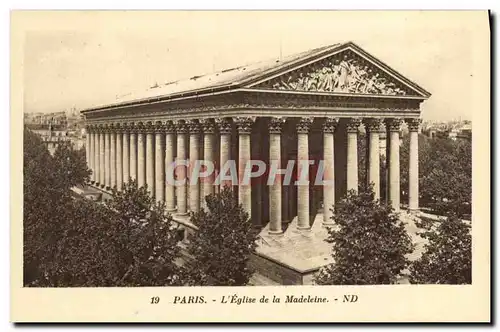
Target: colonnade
143, 151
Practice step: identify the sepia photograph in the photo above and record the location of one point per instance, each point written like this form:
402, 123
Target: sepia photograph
165, 151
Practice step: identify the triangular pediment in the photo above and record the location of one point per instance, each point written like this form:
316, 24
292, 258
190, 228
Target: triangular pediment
348, 70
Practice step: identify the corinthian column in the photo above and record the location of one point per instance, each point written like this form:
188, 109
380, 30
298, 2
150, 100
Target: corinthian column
160, 162
194, 156
352, 153
303, 127
90, 132
133, 151
112, 155
372, 126
150, 158
329, 127
96, 155
181, 169
393, 126
244, 126
141, 156
107, 154
413, 125
100, 156
169, 160
87, 146
208, 155
126, 153
119, 157
225, 129
275, 221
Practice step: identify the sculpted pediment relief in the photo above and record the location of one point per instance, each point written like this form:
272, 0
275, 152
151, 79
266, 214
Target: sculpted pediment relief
345, 72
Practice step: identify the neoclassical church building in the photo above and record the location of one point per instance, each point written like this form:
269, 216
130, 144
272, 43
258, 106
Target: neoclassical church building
308, 106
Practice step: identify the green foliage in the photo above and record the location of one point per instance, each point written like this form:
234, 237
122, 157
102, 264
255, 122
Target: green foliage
369, 243
447, 258
223, 244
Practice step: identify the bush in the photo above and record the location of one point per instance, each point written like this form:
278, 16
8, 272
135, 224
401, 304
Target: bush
369, 243
447, 258
223, 244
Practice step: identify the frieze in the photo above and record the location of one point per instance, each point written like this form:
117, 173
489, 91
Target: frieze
345, 72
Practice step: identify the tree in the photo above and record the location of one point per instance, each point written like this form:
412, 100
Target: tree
45, 202
70, 165
223, 244
445, 174
447, 258
369, 243
147, 238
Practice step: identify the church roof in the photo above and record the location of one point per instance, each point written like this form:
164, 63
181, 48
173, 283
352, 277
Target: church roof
241, 77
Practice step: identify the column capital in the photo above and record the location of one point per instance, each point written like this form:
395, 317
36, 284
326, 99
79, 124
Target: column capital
224, 125
413, 123
159, 127
330, 125
353, 125
169, 127
136, 127
149, 127
118, 128
244, 124
304, 125
181, 127
276, 125
193, 126
372, 125
393, 124
208, 126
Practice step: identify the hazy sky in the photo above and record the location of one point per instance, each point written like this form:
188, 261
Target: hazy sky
86, 59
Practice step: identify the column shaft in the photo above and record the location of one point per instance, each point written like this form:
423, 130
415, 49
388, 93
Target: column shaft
87, 148
160, 164
352, 154
244, 148
107, 164
119, 160
275, 220
303, 173
194, 156
329, 171
112, 163
141, 159
150, 161
413, 189
225, 147
133, 154
169, 160
394, 177
373, 161
181, 169
208, 155
98, 166
126, 155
